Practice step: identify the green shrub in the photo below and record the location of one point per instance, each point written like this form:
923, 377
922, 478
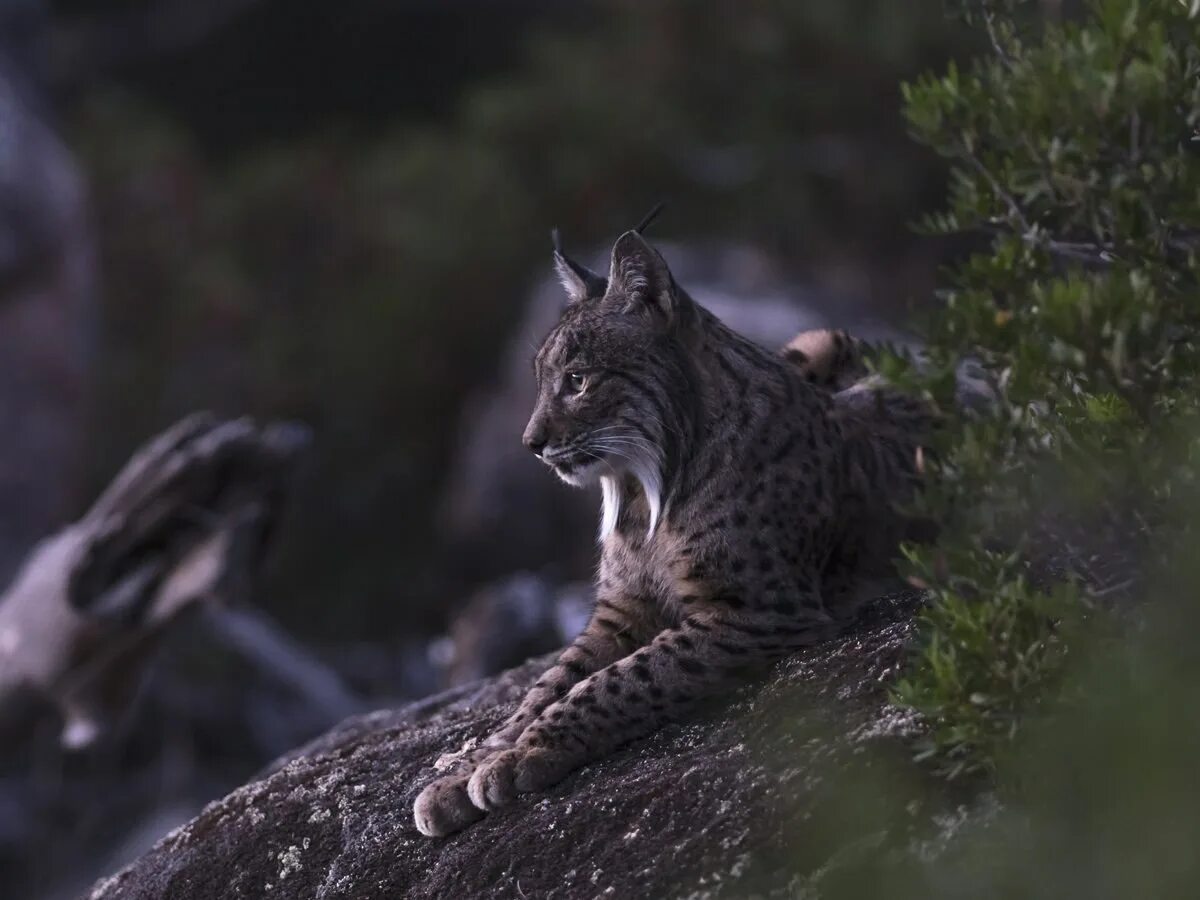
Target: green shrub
1073, 148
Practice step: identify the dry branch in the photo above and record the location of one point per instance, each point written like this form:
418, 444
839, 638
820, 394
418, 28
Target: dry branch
185, 523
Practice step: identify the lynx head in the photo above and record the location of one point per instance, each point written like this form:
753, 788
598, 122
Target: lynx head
611, 376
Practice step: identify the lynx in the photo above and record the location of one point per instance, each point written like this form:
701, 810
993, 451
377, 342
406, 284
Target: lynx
747, 496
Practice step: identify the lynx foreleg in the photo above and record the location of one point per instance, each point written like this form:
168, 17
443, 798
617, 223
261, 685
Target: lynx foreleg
613, 631
633, 697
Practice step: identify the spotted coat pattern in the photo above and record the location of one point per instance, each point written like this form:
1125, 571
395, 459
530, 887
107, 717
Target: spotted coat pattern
747, 495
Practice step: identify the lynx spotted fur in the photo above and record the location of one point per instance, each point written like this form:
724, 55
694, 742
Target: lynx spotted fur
746, 495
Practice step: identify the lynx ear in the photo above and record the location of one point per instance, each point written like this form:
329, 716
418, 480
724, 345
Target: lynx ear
640, 274
580, 282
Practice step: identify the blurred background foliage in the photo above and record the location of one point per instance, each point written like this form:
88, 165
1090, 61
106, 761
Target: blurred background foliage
319, 215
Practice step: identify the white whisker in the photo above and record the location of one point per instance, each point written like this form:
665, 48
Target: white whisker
643, 460
610, 509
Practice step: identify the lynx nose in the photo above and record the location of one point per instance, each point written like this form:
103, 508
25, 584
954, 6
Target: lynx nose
535, 440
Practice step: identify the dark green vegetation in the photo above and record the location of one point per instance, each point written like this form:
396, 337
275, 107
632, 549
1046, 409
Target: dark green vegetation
1074, 147
1097, 800
1063, 711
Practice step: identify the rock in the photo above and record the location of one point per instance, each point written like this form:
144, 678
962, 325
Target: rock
733, 802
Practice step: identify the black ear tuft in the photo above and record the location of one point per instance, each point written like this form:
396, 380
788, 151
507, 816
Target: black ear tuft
648, 218
580, 282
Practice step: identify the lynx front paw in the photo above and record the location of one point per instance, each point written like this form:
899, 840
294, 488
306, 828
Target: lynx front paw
518, 771
444, 807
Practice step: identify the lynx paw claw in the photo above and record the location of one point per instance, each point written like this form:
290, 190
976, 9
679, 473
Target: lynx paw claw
518, 771
443, 807
492, 784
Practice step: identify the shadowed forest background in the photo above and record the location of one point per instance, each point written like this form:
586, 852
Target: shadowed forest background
340, 214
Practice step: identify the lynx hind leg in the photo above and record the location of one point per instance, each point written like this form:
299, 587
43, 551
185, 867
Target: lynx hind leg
827, 357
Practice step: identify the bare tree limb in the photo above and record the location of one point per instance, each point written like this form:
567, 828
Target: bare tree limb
1014, 209
989, 21
184, 524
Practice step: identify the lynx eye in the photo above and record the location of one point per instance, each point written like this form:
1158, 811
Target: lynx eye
576, 382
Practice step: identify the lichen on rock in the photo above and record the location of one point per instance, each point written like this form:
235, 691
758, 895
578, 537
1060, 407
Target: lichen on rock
733, 802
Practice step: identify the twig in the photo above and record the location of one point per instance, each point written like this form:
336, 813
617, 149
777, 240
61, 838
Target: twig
1101, 593
1013, 208
1095, 253
989, 21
